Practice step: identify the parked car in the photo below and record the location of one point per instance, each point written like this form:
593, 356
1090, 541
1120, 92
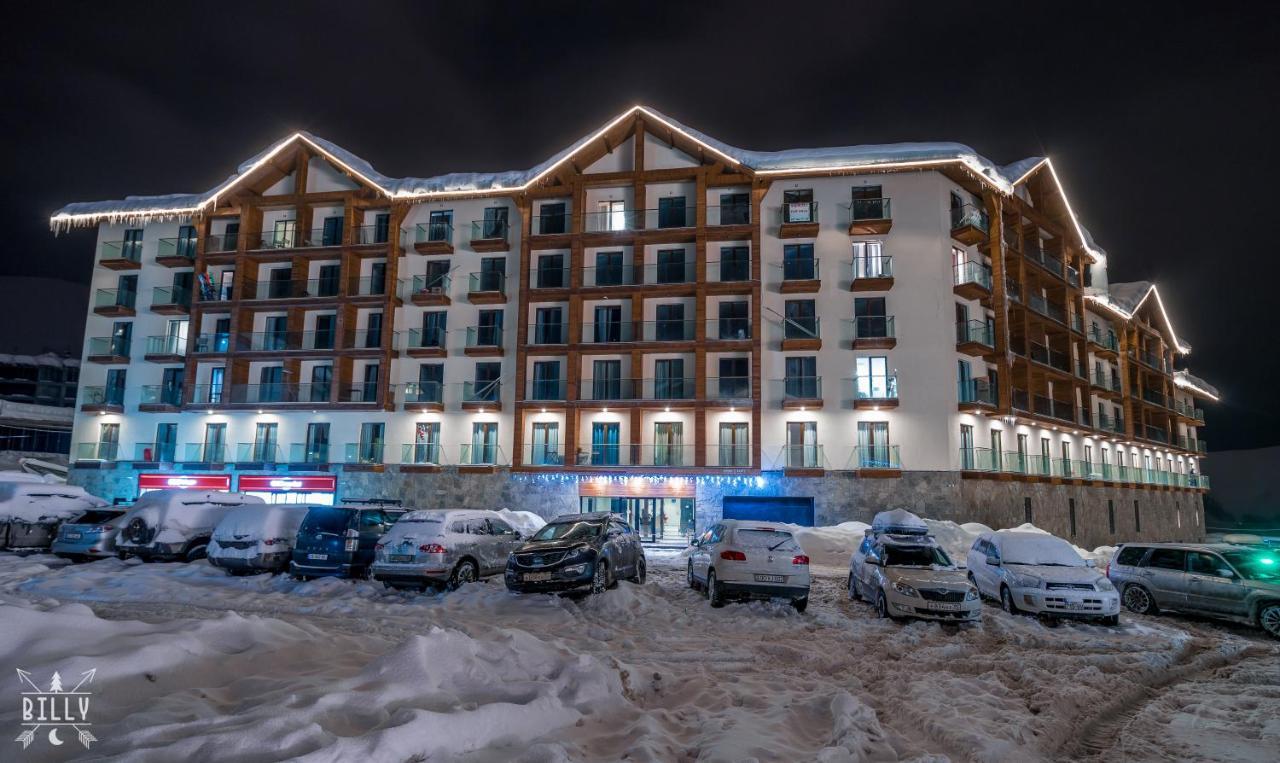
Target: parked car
1042, 574
339, 540
253, 538
91, 535
31, 510
903, 572
444, 547
577, 553
175, 525
1221, 580
737, 560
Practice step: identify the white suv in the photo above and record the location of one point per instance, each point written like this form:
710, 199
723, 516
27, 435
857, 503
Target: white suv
1042, 574
737, 559
903, 572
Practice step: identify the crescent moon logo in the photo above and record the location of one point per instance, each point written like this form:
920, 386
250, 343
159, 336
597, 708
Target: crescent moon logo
53, 738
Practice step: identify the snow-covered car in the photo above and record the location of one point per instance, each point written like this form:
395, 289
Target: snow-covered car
31, 510
576, 553
175, 525
339, 540
1039, 573
904, 572
90, 535
255, 538
741, 560
1228, 581
444, 547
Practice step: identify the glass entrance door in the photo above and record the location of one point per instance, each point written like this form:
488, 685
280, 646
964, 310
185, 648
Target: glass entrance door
656, 520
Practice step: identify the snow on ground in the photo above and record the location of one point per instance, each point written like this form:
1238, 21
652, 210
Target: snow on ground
196, 665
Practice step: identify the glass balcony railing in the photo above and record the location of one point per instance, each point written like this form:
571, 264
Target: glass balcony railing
488, 281
370, 286
613, 220
548, 333
113, 298
875, 457
435, 285
970, 216
729, 455
161, 394
979, 391
609, 275
109, 346
115, 253
801, 327
543, 454
604, 455
484, 337
173, 248
800, 269
95, 395
482, 391
868, 210
672, 217
970, 272
547, 390
1063, 410
270, 341
423, 392
490, 230
155, 452
875, 387
358, 393
549, 278
308, 453
427, 339
868, 268
729, 388
422, 453
611, 332
204, 453
259, 452
801, 456
166, 345
1107, 340
735, 270
97, 451
481, 454
799, 388
729, 329
1048, 309
552, 224
664, 273
304, 288
976, 331
873, 327
1049, 357
221, 243
729, 214
363, 452
168, 296
798, 213
433, 232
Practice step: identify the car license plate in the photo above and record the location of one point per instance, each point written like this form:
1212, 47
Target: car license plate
1075, 605
400, 558
318, 556
770, 578
536, 577
945, 606
73, 536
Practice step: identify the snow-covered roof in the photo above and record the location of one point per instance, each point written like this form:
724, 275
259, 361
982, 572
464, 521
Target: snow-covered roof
1124, 299
142, 208
1188, 381
45, 359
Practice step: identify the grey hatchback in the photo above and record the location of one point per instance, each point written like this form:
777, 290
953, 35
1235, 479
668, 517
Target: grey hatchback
1222, 580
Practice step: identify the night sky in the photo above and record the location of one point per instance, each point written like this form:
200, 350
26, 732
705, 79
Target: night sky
1162, 120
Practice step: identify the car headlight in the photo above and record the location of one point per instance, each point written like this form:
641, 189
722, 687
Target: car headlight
905, 589
971, 594
1104, 584
574, 570
1026, 581
581, 552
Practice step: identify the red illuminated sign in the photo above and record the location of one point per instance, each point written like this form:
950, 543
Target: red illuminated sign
162, 481
273, 483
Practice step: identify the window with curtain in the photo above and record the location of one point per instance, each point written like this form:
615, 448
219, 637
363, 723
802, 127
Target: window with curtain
668, 443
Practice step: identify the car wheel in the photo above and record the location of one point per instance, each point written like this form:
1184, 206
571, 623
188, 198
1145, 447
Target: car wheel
689, 576
195, 552
1111, 620
854, 593
1006, 601
1269, 619
464, 572
600, 580
974, 582
715, 592
800, 604
882, 606
1137, 599
638, 578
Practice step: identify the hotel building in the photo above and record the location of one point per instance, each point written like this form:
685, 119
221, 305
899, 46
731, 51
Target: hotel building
652, 322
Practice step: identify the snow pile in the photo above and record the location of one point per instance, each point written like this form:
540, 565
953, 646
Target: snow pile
525, 522
256, 523
26, 500
898, 520
1036, 548
832, 545
180, 515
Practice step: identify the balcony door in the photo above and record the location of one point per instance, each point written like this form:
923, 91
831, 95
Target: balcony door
668, 379
873, 378
606, 380
734, 323
484, 442
284, 234
369, 449
321, 381
873, 445
604, 443
108, 441
609, 269
735, 450
608, 325
329, 281
495, 223
869, 315
369, 389
669, 325
270, 385
166, 442
869, 260
802, 445
265, 443
426, 442
544, 450
546, 380
215, 443
668, 443
317, 446
331, 234
671, 212
279, 283
489, 328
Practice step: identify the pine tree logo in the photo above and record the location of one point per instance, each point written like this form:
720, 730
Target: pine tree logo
56, 709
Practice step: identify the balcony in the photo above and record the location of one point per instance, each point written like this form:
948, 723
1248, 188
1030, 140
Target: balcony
971, 280
1108, 423
728, 215
1047, 356
490, 236
358, 394
729, 330
875, 460
801, 333
670, 273
1154, 434
1189, 412
609, 276
430, 291
800, 276
115, 303
481, 457
661, 389
729, 389
170, 301
552, 224
102, 399
1062, 410
221, 243
120, 255
270, 394
426, 343
624, 332
970, 224
370, 286
732, 271
428, 454
108, 350
548, 334
1103, 343
674, 218
798, 219
160, 398
303, 288
1048, 309
542, 454
549, 278
204, 453
613, 221
546, 391
874, 273
1104, 381
155, 452
875, 392
729, 455
484, 341
802, 460
211, 344
285, 341
1156, 397
1191, 444
1047, 260
423, 396
319, 238
976, 395
363, 453
482, 395
611, 455
870, 217
873, 332
800, 392
975, 338
433, 238
176, 252
96, 451
1151, 360
258, 454
487, 288
165, 349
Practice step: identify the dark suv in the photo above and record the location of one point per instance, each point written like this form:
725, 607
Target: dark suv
577, 553
339, 540
1222, 580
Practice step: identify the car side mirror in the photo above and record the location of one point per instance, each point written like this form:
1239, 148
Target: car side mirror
1225, 573
993, 561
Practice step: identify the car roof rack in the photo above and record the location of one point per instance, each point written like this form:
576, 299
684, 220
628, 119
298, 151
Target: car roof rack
372, 501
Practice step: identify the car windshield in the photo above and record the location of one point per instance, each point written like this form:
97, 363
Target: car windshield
915, 556
1255, 565
770, 540
97, 517
326, 521
569, 531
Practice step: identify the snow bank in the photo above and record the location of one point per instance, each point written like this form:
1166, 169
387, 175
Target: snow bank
31, 501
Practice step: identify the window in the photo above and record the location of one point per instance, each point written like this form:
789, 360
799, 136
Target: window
800, 319
369, 389
113, 392
609, 269
671, 212
872, 380
546, 381
426, 442
734, 323
868, 203
608, 323
735, 381
430, 384
669, 381
802, 378
331, 233
484, 442
544, 449
165, 445
270, 385
369, 449
869, 260
548, 326
131, 247
265, 443
735, 209
435, 327
489, 328
495, 223
671, 266
670, 325
108, 441
492, 275
440, 225
869, 317
215, 444
328, 283
171, 386
284, 234
798, 263
803, 451
1167, 559
874, 450
613, 215
381, 228
606, 382
668, 443
798, 206
604, 443
487, 382
735, 263
735, 450
551, 271
377, 278
553, 219
373, 331
966, 447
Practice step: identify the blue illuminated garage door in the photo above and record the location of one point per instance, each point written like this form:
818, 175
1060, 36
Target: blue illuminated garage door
797, 511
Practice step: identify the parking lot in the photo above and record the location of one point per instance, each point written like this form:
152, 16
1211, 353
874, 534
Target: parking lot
192, 662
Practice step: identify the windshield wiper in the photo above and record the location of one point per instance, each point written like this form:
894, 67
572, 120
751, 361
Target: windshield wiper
779, 543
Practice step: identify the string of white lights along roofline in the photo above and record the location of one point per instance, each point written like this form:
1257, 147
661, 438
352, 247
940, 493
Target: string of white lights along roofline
63, 221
